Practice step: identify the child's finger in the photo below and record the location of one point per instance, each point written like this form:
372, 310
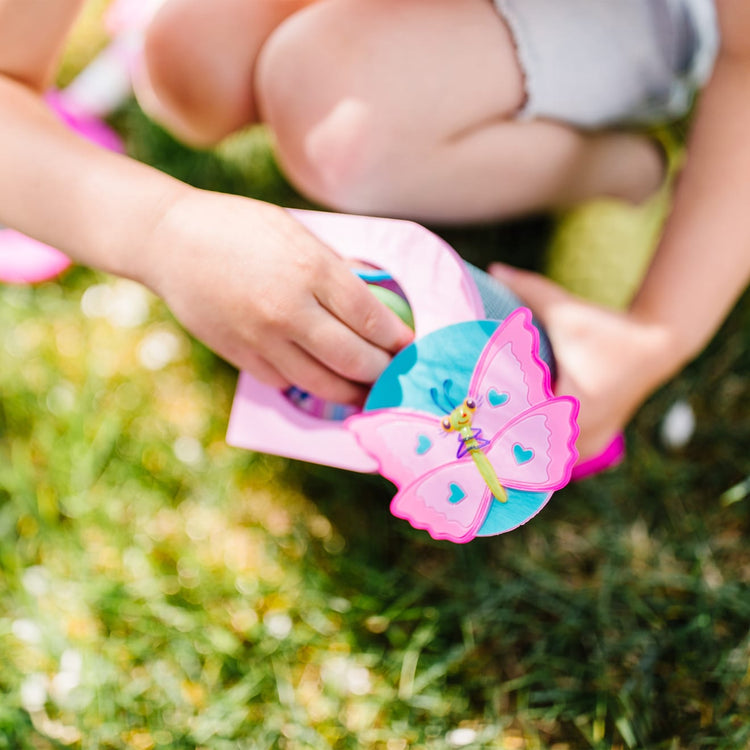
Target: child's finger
261, 370
348, 298
308, 373
345, 352
293, 366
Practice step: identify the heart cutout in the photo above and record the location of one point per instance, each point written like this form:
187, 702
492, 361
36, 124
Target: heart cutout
521, 454
497, 398
423, 445
457, 494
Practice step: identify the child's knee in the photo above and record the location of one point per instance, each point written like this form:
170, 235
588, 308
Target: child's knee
329, 138
165, 86
182, 83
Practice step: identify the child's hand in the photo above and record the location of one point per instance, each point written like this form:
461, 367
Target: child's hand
269, 297
610, 361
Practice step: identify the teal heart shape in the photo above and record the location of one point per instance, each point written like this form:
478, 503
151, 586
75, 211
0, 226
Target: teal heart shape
423, 444
496, 398
521, 454
457, 494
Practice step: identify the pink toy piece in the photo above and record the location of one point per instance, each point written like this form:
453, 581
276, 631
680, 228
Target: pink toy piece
610, 457
26, 261
263, 419
79, 121
525, 434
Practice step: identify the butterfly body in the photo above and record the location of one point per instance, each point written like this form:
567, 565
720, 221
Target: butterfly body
471, 442
512, 434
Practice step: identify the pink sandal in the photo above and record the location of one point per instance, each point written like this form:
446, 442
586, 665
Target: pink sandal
610, 457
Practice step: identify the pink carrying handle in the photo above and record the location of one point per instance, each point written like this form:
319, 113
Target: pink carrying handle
264, 420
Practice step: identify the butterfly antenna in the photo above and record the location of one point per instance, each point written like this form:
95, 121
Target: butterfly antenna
434, 394
447, 385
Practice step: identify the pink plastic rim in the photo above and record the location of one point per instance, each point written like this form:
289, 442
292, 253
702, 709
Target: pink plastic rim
610, 457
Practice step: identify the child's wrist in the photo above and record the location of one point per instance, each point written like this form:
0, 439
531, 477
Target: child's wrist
663, 349
147, 257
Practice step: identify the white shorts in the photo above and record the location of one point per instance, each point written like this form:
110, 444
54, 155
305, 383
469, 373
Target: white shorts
599, 63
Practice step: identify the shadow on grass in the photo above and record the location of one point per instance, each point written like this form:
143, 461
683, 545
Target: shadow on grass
619, 614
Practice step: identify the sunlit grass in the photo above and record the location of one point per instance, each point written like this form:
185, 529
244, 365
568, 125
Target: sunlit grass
160, 589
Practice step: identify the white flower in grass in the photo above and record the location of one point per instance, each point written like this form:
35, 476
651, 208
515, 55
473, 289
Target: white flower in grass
278, 624
125, 304
461, 737
346, 676
129, 305
27, 631
358, 680
188, 450
33, 693
94, 301
61, 399
158, 349
678, 425
36, 580
69, 676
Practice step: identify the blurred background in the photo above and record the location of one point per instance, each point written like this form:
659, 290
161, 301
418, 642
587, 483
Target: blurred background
160, 589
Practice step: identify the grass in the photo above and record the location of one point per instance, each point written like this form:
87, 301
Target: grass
160, 589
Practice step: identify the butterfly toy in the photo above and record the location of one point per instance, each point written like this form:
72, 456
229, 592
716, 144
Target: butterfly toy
504, 437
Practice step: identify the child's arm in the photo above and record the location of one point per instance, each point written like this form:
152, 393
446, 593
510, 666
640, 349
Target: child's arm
703, 261
240, 274
613, 361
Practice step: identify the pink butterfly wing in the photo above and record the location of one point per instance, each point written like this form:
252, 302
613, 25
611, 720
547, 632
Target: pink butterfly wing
445, 496
407, 444
532, 439
450, 502
509, 376
536, 451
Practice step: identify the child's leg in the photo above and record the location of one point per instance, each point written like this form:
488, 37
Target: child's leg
406, 107
199, 61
